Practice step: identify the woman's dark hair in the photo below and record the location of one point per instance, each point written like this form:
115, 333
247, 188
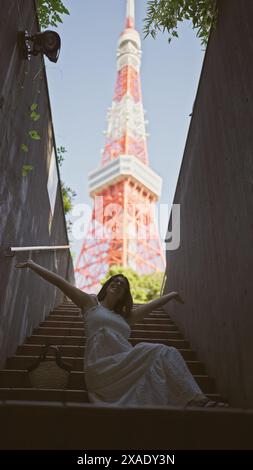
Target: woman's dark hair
124, 306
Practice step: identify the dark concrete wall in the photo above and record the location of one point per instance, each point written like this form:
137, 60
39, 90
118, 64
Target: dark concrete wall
213, 268
24, 200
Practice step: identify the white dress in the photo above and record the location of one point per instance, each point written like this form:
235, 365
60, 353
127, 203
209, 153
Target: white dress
118, 373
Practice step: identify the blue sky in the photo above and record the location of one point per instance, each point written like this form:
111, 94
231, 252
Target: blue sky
81, 87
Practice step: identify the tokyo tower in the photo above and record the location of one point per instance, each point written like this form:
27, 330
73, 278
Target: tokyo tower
123, 229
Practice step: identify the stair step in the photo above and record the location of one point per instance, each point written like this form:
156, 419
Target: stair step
64, 308
150, 334
157, 309
62, 324
24, 362
158, 315
67, 307
175, 343
71, 305
59, 331
155, 326
14, 378
74, 313
78, 319
78, 351
20, 379
161, 321
37, 349
77, 396
80, 341
64, 318
80, 396
77, 312
51, 323
137, 333
56, 340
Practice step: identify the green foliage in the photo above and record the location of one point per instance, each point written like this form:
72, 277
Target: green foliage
144, 287
164, 15
34, 134
26, 169
33, 106
34, 116
24, 148
68, 194
60, 155
50, 12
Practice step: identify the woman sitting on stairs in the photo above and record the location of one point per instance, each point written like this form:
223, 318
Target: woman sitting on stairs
116, 372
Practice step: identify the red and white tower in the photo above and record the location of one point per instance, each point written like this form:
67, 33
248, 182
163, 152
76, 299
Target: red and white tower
123, 229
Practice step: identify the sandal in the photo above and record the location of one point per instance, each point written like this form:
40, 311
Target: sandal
206, 403
211, 404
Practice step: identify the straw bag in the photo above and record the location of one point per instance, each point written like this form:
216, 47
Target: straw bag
49, 374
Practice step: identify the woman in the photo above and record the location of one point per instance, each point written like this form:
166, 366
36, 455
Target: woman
117, 373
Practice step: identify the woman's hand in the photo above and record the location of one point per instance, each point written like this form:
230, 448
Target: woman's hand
27, 264
178, 297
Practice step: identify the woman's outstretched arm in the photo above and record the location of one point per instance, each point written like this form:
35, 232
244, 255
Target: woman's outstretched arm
138, 313
80, 298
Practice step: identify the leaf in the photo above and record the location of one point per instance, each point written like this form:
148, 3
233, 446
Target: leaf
59, 153
34, 135
61, 149
49, 12
68, 195
35, 116
33, 106
24, 148
164, 15
26, 169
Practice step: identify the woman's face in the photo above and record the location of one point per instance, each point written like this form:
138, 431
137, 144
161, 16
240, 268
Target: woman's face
117, 288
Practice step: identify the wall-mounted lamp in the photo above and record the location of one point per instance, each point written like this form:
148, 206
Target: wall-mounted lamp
48, 43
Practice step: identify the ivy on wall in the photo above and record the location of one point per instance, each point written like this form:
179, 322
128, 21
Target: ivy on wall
32, 135
68, 194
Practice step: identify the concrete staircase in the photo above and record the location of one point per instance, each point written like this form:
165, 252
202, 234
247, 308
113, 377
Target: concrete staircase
64, 419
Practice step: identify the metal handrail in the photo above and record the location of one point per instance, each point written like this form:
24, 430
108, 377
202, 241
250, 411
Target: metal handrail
13, 249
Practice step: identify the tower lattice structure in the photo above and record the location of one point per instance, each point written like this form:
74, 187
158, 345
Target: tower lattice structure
123, 229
